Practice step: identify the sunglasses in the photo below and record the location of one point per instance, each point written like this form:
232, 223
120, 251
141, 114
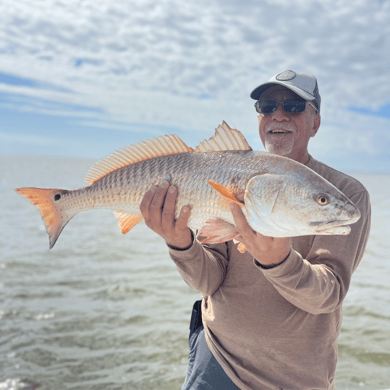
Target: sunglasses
290, 106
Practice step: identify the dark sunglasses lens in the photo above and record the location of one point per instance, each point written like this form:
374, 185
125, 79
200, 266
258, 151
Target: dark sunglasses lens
266, 106
294, 106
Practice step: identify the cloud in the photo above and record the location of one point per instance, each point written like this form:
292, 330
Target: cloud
191, 65
213, 48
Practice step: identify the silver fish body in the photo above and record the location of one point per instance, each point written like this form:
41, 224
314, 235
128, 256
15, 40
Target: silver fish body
280, 195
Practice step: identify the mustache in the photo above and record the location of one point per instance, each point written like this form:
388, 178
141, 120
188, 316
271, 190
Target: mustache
280, 126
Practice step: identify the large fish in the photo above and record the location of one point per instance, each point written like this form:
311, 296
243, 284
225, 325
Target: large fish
281, 197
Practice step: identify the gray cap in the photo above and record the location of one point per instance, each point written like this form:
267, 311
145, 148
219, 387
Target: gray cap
303, 84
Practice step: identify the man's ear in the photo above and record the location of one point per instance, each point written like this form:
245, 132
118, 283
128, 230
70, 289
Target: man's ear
316, 125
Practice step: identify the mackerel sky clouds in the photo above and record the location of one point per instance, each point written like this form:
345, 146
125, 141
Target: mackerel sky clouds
83, 78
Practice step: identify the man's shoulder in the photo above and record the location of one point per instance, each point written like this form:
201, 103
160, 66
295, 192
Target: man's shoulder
345, 183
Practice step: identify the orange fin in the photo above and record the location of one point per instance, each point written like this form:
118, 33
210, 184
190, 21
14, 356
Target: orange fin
48, 203
216, 231
225, 138
127, 221
241, 247
161, 146
224, 192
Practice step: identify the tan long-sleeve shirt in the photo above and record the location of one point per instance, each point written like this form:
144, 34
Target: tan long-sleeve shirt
278, 328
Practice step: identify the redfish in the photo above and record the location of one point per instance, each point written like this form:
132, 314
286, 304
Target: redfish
281, 197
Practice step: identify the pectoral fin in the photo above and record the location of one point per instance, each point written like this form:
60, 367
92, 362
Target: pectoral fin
224, 192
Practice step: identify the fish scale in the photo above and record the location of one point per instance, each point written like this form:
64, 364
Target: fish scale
279, 194
124, 188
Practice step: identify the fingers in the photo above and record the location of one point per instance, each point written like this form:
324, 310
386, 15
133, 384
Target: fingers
157, 203
145, 204
158, 209
181, 236
169, 225
151, 206
184, 216
241, 196
168, 212
240, 221
266, 250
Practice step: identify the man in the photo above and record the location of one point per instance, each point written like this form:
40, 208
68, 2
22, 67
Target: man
271, 316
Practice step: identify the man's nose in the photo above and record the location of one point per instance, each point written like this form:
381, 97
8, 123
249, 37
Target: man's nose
279, 114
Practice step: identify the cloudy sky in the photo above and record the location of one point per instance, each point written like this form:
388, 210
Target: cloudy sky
82, 78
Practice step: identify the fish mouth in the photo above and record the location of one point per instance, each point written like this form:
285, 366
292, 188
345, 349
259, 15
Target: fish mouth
321, 225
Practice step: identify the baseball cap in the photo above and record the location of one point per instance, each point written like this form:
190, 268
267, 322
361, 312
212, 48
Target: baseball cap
303, 84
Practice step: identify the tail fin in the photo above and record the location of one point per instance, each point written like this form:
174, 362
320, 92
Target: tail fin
54, 217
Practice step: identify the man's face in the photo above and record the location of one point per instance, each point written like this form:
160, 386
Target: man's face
287, 134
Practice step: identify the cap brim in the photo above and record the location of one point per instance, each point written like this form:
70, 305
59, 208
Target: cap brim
256, 93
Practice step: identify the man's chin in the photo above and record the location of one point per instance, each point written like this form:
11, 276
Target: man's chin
280, 150
279, 143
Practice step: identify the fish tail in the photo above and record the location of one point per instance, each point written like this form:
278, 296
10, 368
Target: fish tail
45, 200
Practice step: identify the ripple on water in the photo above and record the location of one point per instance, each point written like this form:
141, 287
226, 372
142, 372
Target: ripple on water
120, 291
39, 356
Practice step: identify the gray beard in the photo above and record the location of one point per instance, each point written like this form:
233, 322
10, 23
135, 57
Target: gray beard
279, 148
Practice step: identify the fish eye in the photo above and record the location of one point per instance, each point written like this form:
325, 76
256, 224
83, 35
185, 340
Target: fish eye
322, 200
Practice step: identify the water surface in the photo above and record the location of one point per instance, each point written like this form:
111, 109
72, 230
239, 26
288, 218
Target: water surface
106, 311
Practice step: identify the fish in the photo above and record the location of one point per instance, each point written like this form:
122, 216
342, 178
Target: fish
278, 196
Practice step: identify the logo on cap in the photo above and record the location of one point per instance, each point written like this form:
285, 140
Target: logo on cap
285, 76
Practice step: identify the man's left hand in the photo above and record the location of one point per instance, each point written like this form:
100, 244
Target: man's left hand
266, 250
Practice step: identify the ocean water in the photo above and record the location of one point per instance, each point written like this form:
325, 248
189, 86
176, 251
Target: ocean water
106, 311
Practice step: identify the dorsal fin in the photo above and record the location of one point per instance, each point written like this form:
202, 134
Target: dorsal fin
164, 145
225, 138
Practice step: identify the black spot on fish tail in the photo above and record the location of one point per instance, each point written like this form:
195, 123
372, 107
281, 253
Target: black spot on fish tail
58, 196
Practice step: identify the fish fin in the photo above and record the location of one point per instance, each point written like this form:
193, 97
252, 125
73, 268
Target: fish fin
241, 247
216, 231
224, 192
127, 221
225, 138
54, 218
164, 145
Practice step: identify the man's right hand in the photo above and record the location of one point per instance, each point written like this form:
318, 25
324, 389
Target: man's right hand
158, 209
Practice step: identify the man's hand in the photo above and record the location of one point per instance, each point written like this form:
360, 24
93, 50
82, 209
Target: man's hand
158, 209
266, 250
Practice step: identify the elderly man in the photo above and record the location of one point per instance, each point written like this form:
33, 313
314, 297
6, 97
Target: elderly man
271, 316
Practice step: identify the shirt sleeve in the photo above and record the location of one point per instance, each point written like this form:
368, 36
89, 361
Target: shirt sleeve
319, 283
202, 266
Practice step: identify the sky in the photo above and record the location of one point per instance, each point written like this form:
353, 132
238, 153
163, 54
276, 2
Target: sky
81, 78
